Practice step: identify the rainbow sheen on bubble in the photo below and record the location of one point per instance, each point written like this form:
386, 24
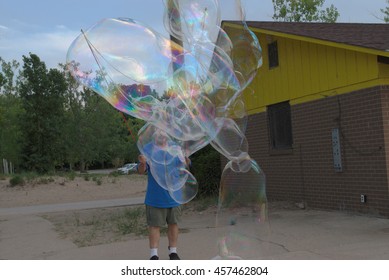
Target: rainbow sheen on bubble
189, 89
242, 213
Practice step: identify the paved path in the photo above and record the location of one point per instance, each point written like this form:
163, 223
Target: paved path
37, 209
293, 234
26, 235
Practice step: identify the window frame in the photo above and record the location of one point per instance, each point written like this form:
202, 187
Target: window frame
272, 49
280, 136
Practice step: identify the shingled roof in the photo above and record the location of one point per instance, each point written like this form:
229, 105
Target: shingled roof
366, 35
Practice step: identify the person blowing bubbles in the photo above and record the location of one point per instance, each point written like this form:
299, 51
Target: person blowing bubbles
161, 208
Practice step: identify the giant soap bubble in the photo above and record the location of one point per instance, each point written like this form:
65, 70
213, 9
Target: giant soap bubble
241, 211
190, 95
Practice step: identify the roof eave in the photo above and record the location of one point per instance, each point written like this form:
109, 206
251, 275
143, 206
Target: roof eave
313, 40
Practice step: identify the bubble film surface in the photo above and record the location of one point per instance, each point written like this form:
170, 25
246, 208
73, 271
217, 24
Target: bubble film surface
241, 217
188, 88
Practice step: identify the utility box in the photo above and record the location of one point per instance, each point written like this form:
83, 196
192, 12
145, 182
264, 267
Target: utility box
336, 152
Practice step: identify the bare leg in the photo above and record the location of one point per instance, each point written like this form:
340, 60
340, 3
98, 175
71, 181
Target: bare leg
154, 235
172, 235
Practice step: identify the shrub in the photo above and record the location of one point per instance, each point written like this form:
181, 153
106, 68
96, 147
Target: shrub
207, 170
115, 174
99, 181
17, 180
30, 176
71, 175
45, 180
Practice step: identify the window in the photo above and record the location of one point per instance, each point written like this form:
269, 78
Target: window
273, 54
280, 126
383, 59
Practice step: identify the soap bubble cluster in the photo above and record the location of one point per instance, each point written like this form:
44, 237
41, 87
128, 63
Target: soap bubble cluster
188, 88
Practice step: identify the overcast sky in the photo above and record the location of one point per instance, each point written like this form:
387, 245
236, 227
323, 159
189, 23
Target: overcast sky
47, 27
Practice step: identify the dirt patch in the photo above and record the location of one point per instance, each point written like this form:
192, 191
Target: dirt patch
83, 227
100, 226
93, 226
104, 225
55, 190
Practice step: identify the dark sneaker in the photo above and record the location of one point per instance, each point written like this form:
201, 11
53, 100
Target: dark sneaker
154, 258
174, 256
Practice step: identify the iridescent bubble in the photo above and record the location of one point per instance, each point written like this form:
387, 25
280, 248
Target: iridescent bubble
188, 190
166, 159
192, 21
242, 212
189, 93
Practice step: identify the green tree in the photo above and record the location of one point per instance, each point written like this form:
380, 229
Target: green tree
206, 167
304, 11
42, 95
133, 127
72, 105
386, 12
7, 76
107, 129
10, 114
96, 131
78, 148
10, 129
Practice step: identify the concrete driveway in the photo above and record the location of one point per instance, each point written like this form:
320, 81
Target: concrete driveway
294, 234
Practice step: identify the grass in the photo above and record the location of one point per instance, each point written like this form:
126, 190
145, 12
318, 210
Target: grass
203, 203
132, 221
63, 177
100, 226
45, 180
17, 180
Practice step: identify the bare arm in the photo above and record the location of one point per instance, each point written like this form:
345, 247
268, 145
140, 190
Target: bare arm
142, 164
188, 162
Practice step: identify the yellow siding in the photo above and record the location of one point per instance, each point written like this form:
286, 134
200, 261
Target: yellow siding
305, 68
322, 73
314, 68
282, 55
308, 71
352, 68
383, 70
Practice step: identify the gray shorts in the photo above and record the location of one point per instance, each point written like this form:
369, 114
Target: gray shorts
159, 217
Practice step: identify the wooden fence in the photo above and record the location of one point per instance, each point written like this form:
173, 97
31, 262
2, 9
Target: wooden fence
7, 167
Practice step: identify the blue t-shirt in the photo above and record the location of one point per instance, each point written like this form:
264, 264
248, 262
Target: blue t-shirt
156, 195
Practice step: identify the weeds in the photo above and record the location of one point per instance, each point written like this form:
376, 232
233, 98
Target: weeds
98, 179
202, 204
114, 174
93, 227
17, 180
132, 221
71, 175
102, 226
45, 180
33, 178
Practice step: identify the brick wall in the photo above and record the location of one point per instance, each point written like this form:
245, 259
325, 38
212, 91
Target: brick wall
385, 118
306, 173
